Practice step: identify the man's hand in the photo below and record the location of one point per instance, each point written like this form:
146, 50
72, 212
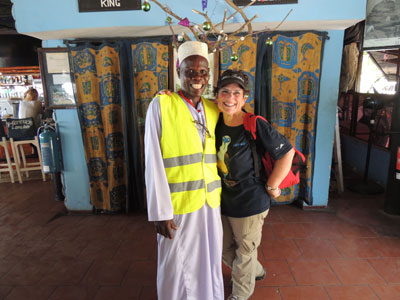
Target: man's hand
165, 228
165, 92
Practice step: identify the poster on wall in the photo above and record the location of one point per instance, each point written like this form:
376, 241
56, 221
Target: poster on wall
382, 24
108, 5
58, 88
264, 2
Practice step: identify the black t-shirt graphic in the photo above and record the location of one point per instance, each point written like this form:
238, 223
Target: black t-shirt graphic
243, 194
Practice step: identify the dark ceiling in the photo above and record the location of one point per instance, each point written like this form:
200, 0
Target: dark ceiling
7, 24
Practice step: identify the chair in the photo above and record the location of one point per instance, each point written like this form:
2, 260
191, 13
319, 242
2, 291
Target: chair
23, 132
8, 165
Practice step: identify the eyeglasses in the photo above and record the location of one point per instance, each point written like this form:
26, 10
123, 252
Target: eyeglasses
202, 126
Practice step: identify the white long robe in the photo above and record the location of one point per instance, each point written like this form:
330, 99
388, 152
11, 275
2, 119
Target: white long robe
189, 265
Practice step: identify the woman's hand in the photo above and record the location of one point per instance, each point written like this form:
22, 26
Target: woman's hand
273, 192
281, 169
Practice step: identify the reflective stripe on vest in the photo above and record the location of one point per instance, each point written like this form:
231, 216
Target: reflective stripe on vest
210, 158
186, 186
193, 185
183, 160
189, 159
213, 185
191, 169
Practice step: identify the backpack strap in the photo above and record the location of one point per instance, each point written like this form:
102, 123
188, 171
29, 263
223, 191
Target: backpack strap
253, 147
250, 125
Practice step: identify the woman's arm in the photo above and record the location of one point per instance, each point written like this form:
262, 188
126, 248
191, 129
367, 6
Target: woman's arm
281, 169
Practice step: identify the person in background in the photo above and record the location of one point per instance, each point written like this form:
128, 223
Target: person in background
182, 184
245, 198
30, 106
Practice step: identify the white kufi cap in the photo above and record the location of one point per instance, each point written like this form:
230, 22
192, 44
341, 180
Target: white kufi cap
192, 48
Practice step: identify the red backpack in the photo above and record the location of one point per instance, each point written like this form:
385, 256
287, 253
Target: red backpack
293, 177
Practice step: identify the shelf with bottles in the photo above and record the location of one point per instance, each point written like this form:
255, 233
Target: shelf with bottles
13, 92
15, 80
16, 92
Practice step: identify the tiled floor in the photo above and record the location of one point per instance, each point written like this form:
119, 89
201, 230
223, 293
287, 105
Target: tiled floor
350, 251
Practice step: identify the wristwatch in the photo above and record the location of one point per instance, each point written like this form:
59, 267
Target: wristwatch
271, 188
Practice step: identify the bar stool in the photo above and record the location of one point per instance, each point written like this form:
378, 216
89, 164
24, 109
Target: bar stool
23, 132
8, 165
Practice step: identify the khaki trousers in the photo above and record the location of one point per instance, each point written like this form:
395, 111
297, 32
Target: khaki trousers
242, 236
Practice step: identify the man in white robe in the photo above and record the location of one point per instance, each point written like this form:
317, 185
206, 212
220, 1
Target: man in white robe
189, 245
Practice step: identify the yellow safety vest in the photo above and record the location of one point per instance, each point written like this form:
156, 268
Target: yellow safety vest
191, 170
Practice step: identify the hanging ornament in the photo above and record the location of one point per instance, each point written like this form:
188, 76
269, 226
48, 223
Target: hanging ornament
180, 38
269, 42
146, 6
234, 57
169, 19
206, 26
204, 4
185, 22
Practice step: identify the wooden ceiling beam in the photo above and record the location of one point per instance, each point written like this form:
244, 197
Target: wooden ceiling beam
32, 70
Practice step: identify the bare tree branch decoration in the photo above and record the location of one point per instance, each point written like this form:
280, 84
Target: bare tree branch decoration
214, 34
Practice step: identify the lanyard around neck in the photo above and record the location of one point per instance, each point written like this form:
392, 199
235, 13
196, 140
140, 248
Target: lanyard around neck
188, 100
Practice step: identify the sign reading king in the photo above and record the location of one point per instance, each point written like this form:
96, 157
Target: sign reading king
108, 5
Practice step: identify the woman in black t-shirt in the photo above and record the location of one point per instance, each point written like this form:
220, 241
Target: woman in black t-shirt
245, 197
